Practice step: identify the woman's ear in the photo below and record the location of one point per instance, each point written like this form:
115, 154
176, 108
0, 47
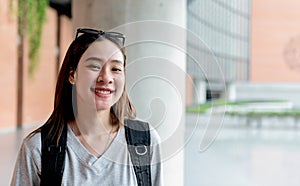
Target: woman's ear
72, 77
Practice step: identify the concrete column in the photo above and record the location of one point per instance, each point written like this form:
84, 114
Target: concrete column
200, 91
156, 65
231, 92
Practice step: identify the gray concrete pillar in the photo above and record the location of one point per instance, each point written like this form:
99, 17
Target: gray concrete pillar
231, 92
200, 91
155, 44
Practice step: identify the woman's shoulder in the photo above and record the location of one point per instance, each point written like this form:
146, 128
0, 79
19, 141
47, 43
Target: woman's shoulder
32, 141
155, 138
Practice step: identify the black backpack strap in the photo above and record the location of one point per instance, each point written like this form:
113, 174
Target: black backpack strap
53, 158
138, 142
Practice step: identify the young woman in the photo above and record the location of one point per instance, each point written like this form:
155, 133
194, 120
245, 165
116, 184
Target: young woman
91, 103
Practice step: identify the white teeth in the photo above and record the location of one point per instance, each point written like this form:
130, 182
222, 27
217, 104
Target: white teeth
102, 91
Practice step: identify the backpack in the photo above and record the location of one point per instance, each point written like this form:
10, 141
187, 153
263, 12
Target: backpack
138, 143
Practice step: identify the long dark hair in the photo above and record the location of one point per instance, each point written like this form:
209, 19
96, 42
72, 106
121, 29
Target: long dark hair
63, 103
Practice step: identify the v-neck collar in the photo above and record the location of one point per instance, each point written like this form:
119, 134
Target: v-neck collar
86, 157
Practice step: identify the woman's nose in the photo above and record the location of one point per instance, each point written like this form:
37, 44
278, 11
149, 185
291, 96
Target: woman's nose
105, 76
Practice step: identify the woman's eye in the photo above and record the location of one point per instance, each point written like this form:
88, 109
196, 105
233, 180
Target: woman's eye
117, 69
94, 67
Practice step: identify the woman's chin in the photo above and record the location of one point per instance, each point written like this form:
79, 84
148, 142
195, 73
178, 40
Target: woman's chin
100, 107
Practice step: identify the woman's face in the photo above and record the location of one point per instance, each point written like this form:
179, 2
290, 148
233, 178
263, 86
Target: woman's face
99, 77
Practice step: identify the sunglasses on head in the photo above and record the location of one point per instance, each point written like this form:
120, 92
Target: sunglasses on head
99, 33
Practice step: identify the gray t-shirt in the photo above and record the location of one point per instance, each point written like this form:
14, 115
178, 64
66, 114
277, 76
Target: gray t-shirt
113, 168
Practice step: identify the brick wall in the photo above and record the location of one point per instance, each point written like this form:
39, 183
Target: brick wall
39, 88
275, 41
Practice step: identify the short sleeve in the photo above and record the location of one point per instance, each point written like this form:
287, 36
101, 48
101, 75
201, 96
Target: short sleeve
28, 164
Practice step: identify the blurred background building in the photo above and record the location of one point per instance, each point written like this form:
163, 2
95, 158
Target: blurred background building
38, 89
239, 42
248, 50
222, 52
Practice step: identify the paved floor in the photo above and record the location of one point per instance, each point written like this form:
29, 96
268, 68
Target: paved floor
243, 156
9, 145
238, 156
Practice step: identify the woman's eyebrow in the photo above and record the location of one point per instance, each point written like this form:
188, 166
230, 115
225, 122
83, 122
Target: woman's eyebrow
102, 60
94, 59
117, 61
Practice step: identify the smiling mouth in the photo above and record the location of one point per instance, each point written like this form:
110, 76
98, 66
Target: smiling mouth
102, 92
105, 92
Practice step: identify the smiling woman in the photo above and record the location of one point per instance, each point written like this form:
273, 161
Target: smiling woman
92, 121
99, 76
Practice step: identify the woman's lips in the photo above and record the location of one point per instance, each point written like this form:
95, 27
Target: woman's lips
102, 92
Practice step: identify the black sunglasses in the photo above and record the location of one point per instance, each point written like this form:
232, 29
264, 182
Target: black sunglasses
99, 33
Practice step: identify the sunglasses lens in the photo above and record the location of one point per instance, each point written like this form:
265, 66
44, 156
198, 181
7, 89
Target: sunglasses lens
114, 36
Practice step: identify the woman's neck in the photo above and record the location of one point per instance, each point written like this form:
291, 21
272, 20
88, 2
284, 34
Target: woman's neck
95, 133
94, 123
